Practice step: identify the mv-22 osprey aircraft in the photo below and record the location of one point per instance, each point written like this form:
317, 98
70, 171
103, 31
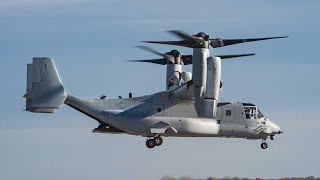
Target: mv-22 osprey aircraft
189, 107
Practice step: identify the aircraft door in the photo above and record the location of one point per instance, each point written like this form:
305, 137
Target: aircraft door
227, 124
227, 121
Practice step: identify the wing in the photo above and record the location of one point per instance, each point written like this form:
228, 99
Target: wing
180, 90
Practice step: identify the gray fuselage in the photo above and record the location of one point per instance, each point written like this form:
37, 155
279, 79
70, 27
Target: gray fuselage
158, 115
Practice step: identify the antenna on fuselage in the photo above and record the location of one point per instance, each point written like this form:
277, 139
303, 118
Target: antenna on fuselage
103, 97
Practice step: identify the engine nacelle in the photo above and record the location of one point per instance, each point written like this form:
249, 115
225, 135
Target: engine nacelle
186, 76
213, 86
199, 74
199, 77
213, 78
173, 78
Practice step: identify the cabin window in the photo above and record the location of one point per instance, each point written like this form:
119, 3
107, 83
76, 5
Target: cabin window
159, 110
228, 112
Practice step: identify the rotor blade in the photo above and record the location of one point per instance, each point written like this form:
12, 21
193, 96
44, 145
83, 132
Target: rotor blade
161, 61
182, 35
188, 41
175, 43
166, 57
233, 56
150, 50
215, 43
187, 59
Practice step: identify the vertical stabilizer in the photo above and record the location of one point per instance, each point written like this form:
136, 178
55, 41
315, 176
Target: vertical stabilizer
45, 92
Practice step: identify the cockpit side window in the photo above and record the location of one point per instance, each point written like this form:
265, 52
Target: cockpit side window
251, 112
247, 114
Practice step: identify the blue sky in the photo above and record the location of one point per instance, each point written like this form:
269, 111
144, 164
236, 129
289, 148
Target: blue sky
89, 41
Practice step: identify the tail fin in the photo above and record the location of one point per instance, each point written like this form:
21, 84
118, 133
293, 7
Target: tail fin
45, 92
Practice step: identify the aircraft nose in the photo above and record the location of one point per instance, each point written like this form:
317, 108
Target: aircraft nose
276, 128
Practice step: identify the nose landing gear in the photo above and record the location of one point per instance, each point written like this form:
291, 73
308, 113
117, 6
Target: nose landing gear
264, 145
152, 142
272, 137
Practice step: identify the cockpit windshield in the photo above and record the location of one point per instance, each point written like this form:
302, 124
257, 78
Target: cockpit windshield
252, 112
260, 115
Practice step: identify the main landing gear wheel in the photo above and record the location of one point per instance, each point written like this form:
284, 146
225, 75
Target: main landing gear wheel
264, 145
150, 143
158, 140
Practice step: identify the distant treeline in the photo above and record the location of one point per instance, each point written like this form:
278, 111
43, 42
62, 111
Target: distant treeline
236, 178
